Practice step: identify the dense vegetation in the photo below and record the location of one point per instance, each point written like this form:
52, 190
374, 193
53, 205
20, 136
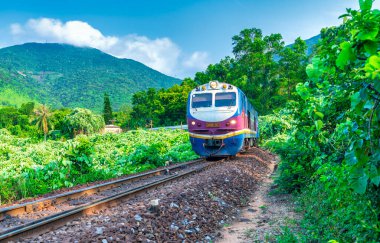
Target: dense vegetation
329, 139
38, 122
66, 76
31, 168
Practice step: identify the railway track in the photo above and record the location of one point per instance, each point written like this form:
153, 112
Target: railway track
34, 217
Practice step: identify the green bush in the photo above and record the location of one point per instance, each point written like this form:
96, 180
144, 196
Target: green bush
29, 168
331, 156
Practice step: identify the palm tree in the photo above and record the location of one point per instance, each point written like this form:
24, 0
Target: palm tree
42, 121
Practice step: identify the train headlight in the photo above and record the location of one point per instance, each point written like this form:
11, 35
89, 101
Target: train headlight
203, 87
213, 84
193, 123
224, 86
233, 122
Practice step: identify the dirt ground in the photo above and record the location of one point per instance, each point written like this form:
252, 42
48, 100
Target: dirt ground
267, 212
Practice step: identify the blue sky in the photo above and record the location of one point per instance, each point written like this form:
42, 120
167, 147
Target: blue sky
177, 38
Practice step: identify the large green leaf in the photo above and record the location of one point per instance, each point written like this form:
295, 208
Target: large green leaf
345, 56
320, 114
370, 47
319, 125
360, 184
365, 5
372, 68
369, 33
303, 91
350, 158
314, 70
375, 175
355, 100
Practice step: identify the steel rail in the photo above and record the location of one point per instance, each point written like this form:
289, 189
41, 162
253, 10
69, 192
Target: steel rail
56, 199
58, 219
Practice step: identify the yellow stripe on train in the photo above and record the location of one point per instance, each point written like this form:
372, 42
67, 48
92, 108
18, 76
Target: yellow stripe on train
223, 136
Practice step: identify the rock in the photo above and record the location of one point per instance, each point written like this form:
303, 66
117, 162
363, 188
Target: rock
181, 236
174, 227
104, 241
251, 210
173, 205
154, 206
208, 238
138, 218
189, 231
244, 220
185, 222
154, 202
194, 216
99, 230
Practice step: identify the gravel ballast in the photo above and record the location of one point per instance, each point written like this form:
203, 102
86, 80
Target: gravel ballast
192, 209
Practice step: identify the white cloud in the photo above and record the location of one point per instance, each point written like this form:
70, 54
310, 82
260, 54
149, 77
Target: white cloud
198, 60
161, 54
72, 32
16, 29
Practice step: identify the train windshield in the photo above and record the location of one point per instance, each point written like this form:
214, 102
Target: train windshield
201, 100
225, 99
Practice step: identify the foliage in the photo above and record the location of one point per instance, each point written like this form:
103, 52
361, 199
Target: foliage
161, 107
42, 119
263, 68
123, 117
16, 121
82, 121
27, 108
61, 75
29, 168
331, 153
107, 110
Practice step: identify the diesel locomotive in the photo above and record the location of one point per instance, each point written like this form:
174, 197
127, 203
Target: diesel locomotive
221, 120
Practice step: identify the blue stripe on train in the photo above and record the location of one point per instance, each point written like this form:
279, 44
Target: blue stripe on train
232, 146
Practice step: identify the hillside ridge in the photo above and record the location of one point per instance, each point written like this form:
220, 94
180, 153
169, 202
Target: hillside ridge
62, 75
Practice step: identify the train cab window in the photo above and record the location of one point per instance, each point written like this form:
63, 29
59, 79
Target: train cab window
225, 99
201, 100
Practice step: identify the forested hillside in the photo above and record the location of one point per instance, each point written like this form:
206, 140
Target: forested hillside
61, 75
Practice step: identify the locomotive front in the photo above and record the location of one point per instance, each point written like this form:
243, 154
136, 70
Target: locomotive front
217, 119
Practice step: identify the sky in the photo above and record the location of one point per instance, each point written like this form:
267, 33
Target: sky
175, 37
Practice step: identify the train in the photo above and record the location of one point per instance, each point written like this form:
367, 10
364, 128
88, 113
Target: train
221, 120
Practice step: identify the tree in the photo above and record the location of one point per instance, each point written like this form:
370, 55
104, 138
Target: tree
147, 107
42, 119
293, 61
255, 55
27, 108
82, 121
107, 111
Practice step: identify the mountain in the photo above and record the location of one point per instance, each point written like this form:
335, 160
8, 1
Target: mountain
311, 42
61, 75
